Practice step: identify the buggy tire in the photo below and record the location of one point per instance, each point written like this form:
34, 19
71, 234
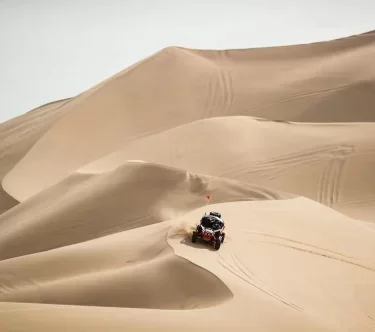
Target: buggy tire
194, 237
217, 245
222, 238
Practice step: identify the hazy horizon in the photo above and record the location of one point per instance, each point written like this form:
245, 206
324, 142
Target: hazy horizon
53, 50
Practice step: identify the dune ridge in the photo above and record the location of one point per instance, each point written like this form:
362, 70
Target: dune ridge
101, 191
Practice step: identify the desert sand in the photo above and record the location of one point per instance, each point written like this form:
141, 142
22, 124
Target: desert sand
101, 192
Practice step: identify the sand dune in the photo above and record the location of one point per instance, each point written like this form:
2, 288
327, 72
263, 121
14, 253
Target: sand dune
94, 274
84, 207
320, 162
317, 274
101, 193
185, 85
18, 135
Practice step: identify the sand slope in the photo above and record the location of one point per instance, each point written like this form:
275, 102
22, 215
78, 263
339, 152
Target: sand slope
177, 86
111, 183
137, 194
332, 164
127, 269
318, 275
18, 135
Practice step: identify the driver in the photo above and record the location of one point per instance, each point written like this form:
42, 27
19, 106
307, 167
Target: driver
215, 218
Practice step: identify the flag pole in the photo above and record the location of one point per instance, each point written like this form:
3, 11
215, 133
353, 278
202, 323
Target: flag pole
208, 196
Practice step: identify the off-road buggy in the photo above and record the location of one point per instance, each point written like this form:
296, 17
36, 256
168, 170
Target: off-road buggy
210, 229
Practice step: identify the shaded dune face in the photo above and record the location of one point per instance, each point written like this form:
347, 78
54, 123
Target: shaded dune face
135, 269
85, 207
18, 135
167, 283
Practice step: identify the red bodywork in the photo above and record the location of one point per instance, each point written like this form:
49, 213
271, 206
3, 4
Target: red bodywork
207, 236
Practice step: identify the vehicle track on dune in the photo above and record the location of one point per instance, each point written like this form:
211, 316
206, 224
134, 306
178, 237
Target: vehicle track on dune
226, 87
283, 163
220, 91
211, 96
324, 255
298, 243
329, 183
314, 250
300, 95
235, 266
359, 202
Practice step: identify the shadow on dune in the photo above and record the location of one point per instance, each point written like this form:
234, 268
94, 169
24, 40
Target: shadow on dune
120, 270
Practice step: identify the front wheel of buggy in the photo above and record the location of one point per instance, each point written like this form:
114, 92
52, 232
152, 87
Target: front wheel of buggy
217, 244
194, 237
222, 238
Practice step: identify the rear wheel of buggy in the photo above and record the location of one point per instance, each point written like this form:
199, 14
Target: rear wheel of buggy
194, 237
217, 245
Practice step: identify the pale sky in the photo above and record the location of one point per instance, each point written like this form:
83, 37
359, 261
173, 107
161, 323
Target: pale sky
52, 49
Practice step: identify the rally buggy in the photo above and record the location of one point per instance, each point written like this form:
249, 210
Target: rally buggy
210, 229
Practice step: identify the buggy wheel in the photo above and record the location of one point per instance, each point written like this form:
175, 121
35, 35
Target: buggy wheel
222, 238
194, 237
217, 244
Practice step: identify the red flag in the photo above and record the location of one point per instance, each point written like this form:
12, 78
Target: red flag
208, 197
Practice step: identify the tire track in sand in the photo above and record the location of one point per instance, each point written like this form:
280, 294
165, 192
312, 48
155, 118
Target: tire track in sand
329, 183
311, 249
226, 84
220, 94
313, 252
300, 95
283, 163
236, 267
210, 98
298, 243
